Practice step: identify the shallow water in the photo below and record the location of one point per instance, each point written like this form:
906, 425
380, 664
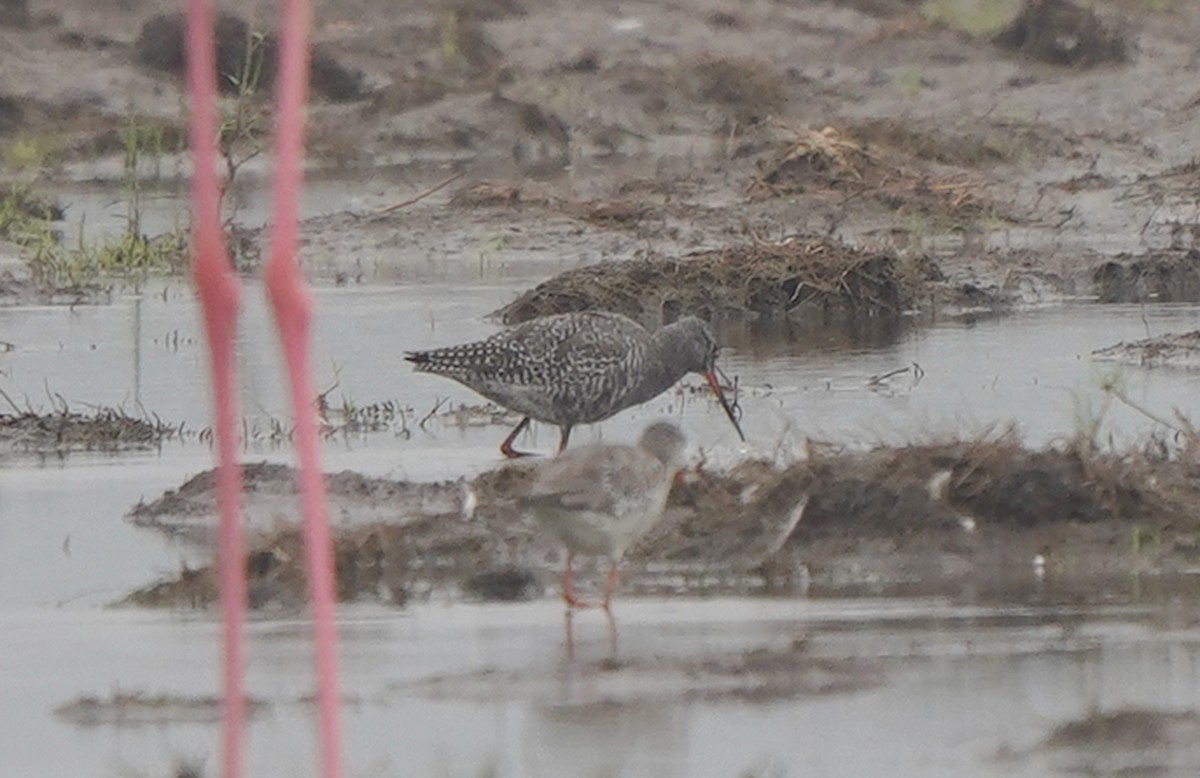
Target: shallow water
145, 353
965, 690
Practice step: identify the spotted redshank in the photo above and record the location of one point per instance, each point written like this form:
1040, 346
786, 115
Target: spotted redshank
578, 368
599, 499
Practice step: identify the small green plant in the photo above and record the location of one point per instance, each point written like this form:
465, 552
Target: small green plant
24, 215
24, 154
449, 39
27, 220
910, 80
975, 17
243, 125
1142, 538
130, 255
490, 249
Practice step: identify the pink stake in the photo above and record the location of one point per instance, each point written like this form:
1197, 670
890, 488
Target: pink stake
293, 314
218, 289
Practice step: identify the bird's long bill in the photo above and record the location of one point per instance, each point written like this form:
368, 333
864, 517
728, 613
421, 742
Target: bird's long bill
711, 377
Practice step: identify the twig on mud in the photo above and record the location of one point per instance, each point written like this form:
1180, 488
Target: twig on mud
57, 401
418, 198
914, 368
436, 406
12, 404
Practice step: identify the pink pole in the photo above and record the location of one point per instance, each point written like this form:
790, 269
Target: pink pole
292, 303
218, 289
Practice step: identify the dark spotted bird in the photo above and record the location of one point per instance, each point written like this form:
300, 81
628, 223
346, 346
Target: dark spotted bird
578, 368
600, 499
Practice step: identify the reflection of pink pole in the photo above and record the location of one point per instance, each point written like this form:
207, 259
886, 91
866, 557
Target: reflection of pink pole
293, 313
218, 289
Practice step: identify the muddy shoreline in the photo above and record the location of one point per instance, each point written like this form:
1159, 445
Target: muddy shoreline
1024, 172
987, 515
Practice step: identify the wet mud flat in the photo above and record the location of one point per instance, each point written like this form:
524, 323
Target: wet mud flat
988, 515
950, 129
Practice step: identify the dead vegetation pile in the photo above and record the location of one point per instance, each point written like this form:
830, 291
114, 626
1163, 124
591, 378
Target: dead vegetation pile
1171, 349
822, 281
136, 709
64, 430
1062, 33
1159, 276
835, 160
989, 506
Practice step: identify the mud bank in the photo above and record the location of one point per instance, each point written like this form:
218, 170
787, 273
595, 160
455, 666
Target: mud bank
989, 515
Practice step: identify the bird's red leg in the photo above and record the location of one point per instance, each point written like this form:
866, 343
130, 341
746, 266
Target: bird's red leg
292, 304
566, 435
569, 637
612, 632
610, 585
218, 289
568, 585
506, 447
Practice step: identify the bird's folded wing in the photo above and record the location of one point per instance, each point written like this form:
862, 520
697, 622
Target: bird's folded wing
592, 478
590, 352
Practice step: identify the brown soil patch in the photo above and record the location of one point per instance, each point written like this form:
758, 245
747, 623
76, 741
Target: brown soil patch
269, 505
1138, 729
949, 134
1062, 33
242, 54
14, 12
773, 672
939, 514
748, 90
973, 145
820, 280
1126, 742
604, 213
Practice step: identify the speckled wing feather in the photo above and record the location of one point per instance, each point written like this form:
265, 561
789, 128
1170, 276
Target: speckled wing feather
535, 350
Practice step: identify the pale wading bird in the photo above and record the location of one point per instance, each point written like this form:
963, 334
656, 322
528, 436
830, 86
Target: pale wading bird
599, 499
578, 368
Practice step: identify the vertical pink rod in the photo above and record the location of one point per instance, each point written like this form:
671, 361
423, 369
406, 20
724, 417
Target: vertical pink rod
292, 303
218, 289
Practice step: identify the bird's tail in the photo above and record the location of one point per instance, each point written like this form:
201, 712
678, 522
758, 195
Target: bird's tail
418, 357
443, 361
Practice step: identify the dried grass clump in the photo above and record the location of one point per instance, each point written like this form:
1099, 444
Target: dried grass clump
819, 278
835, 160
